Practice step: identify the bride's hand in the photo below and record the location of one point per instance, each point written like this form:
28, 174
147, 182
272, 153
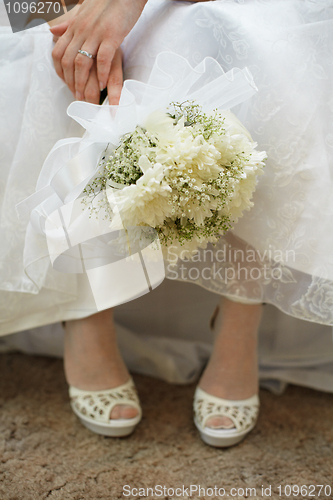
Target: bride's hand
115, 78
114, 82
99, 28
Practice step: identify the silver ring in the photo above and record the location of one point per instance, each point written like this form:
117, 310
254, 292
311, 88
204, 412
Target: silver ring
85, 53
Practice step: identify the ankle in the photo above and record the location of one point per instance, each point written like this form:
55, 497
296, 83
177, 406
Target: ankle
231, 375
92, 360
233, 390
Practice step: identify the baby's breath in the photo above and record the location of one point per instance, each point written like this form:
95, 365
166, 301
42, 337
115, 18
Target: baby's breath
123, 166
201, 123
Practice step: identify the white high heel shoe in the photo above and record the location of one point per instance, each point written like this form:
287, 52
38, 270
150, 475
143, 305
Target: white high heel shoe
243, 414
94, 408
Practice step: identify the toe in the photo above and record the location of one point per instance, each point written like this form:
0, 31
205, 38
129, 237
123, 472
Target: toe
123, 411
220, 423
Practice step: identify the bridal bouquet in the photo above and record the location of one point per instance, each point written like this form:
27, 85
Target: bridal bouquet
169, 167
187, 173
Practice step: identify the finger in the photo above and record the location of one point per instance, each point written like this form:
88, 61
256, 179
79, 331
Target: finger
115, 80
91, 91
59, 29
56, 38
59, 51
82, 67
74, 63
105, 56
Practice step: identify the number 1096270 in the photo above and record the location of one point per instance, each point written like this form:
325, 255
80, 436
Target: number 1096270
34, 7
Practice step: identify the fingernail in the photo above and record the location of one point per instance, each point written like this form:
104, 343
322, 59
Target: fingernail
78, 96
101, 86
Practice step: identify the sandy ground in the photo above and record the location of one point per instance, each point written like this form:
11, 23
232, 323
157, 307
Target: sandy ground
46, 453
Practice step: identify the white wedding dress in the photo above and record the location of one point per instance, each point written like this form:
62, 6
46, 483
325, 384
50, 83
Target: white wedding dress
288, 47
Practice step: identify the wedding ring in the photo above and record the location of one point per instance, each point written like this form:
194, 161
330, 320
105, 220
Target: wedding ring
85, 53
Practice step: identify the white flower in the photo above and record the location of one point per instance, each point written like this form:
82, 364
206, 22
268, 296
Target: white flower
143, 203
180, 150
144, 163
159, 123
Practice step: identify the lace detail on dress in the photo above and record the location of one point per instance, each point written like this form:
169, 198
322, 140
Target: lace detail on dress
317, 303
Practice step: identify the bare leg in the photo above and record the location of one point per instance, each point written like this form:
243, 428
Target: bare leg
92, 359
232, 371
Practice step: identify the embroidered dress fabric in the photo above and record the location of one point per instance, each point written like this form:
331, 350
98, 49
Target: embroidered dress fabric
33, 103
288, 48
281, 251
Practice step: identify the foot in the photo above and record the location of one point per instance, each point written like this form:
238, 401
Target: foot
232, 371
92, 359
